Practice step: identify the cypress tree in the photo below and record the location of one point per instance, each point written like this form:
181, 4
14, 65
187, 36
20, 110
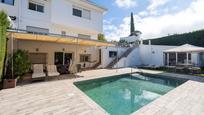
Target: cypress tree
132, 25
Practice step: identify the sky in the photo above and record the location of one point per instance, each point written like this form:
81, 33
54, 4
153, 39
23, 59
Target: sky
154, 18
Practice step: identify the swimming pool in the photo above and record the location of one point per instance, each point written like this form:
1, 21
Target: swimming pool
124, 94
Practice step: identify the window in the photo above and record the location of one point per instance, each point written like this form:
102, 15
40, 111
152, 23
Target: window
36, 7
40, 8
32, 6
84, 36
85, 58
86, 14
77, 12
62, 58
67, 58
81, 12
112, 54
37, 30
189, 56
59, 58
9, 2
63, 33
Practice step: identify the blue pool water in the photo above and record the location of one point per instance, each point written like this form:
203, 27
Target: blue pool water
124, 94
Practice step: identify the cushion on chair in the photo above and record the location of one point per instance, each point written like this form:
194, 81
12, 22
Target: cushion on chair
53, 74
52, 70
38, 71
38, 75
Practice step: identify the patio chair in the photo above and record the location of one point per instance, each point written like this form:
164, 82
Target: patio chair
179, 68
52, 71
38, 72
195, 70
62, 69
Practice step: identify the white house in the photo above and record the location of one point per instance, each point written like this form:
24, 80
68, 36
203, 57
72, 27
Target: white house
60, 31
149, 56
79, 18
56, 31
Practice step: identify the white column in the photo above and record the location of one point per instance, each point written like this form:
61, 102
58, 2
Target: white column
186, 58
176, 58
167, 59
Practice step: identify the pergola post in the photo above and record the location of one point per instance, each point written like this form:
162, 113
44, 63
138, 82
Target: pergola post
12, 47
187, 58
167, 59
176, 58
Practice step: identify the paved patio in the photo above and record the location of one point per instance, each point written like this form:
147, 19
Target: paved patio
61, 97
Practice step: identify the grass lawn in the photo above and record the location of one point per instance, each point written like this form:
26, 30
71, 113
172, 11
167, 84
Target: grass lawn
200, 75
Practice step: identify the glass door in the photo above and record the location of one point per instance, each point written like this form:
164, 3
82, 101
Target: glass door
59, 58
67, 58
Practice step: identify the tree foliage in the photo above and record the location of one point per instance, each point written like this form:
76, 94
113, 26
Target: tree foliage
194, 38
4, 24
101, 37
123, 43
21, 64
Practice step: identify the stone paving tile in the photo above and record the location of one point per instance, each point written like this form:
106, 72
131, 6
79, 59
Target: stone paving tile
63, 98
184, 100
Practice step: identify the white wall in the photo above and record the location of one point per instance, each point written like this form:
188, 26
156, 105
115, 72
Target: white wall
62, 15
142, 55
133, 59
11, 10
195, 59
34, 18
153, 54
105, 59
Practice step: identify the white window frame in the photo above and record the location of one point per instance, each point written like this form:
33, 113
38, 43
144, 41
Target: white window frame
84, 36
63, 33
83, 10
1, 1
36, 3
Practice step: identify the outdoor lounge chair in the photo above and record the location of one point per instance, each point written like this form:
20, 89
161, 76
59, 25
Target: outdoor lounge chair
62, 69
52, 71
195, 70
38, 72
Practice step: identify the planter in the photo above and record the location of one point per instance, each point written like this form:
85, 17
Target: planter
9, 83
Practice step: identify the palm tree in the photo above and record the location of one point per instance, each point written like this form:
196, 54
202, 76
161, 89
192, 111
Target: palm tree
4, 24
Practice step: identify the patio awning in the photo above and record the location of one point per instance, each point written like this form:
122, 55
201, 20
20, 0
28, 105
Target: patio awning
58, 39
185, 48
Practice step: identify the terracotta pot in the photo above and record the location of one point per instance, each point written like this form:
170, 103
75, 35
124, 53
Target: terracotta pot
9, 83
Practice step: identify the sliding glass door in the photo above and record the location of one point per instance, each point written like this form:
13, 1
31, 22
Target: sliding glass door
62, 58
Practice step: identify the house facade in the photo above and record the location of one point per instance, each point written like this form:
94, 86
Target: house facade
56, 31
79, 18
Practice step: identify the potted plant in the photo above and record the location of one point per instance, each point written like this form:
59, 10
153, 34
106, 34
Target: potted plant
18, 65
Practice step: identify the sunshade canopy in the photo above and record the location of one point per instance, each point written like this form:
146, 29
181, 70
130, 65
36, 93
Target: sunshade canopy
185, 48
58, 39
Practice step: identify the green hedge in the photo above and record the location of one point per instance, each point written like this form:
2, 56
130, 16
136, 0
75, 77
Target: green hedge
193, 38
4, 24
